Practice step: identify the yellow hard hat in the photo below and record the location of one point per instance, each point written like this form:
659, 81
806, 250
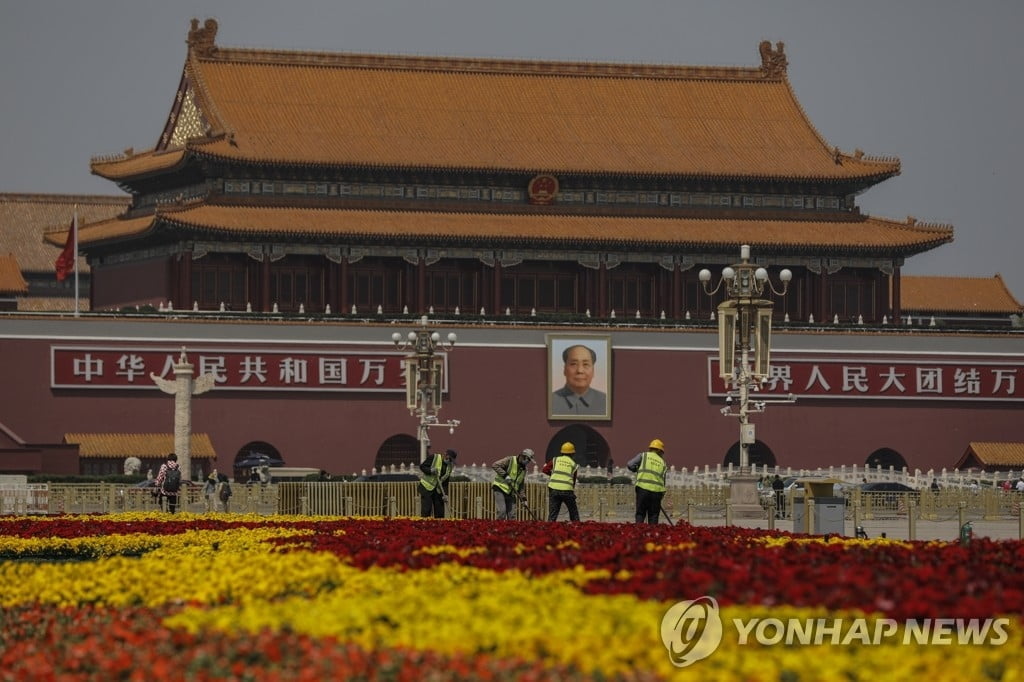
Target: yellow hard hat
568, 449
656, 444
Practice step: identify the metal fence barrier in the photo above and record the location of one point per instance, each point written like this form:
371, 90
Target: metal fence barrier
475, 500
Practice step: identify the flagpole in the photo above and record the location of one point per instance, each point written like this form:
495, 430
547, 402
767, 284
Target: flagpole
74, 228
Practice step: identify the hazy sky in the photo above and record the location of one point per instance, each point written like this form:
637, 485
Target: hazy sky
936, 83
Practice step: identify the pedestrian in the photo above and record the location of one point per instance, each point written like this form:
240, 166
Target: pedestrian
780, 498
509, 483
562, 486
210, 492
434, 484
1020, 485
224, 492
650, 469
168, 481
935, 485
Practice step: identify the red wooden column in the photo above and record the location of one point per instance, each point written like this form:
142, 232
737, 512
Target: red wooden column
676, 297
602, 290
183, 288
265, 283
897, 308
344, 303
331, 285
588, 299
170, 282
421, 285
822, 296
496, 288
810, 296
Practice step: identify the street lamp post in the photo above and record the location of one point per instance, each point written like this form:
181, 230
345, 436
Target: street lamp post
744, 340
424, 379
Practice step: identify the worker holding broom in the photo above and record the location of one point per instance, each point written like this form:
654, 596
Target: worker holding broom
509, 482
650, 470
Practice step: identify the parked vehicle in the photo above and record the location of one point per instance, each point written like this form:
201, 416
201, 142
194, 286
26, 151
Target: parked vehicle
888, 495
887, 487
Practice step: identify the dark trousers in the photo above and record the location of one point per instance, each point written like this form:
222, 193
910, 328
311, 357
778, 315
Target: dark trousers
171, 501
431, 503
556, 498
648, 506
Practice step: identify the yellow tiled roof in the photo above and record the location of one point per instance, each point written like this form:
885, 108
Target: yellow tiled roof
242, 221
339, 109
996, 454
11, 281
26, 218
137, 444
957, 295
51, 304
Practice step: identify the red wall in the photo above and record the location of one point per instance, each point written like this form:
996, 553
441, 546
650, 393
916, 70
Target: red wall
119, 285
56, 459
500, 396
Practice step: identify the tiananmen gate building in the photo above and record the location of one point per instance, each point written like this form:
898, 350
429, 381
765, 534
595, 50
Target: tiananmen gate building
306, 205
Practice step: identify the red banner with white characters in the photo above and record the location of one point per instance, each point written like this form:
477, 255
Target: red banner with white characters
886, 378
250, 369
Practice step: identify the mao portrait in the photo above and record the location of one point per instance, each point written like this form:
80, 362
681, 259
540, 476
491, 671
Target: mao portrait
579, 377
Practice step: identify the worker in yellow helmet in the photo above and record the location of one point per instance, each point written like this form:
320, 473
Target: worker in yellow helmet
562, 486
650, 471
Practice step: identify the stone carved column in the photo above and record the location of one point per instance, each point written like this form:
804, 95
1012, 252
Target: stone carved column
183, 388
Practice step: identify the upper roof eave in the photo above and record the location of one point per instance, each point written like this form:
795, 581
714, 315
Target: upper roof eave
123, 168
864, 235
129, 164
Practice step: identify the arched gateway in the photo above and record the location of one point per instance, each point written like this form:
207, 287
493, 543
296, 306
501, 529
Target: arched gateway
397, 450
591, 447
885, 458
759, 455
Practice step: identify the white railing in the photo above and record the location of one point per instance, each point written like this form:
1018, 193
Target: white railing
718, 474
28, 498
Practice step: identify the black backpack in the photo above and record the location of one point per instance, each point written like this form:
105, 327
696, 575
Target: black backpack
172, 480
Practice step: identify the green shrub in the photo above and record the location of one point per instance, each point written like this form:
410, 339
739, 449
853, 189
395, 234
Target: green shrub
603, 480
82, 478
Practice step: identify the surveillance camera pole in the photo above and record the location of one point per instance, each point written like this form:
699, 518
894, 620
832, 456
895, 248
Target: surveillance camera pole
744, 327
424, 379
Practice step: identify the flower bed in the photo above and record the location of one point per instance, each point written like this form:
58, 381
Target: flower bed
208, 597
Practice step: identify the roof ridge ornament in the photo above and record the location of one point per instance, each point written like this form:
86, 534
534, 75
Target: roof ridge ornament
201, 40
773, 62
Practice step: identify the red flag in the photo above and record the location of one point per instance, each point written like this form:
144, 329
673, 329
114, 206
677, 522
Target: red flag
68, 258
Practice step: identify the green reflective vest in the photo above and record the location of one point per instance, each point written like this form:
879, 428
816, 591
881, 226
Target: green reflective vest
562, 471
516, 473
438, 473
651, 474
